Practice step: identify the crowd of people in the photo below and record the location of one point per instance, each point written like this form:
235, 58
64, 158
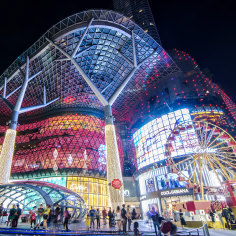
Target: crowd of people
121, 217
54, 216
39, 217
161, 225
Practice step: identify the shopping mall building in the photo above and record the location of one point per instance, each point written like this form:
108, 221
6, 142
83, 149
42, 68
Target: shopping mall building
81, 63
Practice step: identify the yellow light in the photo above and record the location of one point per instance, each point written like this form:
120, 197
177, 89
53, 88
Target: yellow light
7, 156
89, 189
113, 167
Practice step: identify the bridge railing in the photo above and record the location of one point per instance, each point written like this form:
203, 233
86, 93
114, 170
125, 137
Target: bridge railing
202, 231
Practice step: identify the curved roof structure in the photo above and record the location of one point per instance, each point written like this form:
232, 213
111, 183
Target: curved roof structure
98, 47
33, 193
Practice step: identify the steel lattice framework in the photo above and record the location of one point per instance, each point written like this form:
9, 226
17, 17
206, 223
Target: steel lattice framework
98, 47
65, 144
32, 193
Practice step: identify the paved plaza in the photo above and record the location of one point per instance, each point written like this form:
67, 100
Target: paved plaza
80, 229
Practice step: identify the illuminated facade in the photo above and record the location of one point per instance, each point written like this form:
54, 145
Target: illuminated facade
61, 144
194, 97
90, 67
115, 95
94, 191
67, 145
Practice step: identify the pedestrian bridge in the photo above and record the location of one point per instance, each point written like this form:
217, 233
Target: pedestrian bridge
33, 193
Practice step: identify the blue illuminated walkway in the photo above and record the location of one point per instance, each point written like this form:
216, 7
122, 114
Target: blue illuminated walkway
80, 229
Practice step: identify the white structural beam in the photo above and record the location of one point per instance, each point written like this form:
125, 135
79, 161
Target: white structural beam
81, 52
5, 88
15, 90
44, 95
106, 88
125, 82
81, 39
7, 152
125, 58
32, 108
134, 49
85, 77
23, 89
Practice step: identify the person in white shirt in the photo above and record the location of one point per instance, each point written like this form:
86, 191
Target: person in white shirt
118, 218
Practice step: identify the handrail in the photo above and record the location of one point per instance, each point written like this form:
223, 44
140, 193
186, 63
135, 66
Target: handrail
204, 229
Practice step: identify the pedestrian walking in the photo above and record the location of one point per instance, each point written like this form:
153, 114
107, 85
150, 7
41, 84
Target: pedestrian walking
134, 214
226, 215
11, 217
92, 213
67, 217
18, 214
1, 212
33, 217
154, 216
104, 215
57, 216
128, 214
118, 218
46, 216
98, 215
182, 220
87, 222
110, 216
124, 218
39, 217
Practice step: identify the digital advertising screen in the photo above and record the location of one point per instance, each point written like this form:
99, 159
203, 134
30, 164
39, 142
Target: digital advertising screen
150, 140
150, 187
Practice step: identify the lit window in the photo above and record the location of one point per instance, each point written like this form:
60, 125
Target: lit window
151, 23
140, 10
146, 30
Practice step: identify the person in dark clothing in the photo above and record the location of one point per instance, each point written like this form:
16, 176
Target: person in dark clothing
18, 214
154, 216
124, 218
136, 231
226, 214
1, 211
66, 219
98, 215
167, 227
212, 215
57, 217
11, 216
134, 214
231, 216
110, 216
182, 220
92, 214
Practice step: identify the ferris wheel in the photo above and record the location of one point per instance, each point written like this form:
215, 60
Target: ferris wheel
207, 148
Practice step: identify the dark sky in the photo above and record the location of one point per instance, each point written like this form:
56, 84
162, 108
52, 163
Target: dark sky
205, 29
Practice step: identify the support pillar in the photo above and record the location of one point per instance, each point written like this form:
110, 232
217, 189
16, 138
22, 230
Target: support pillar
7, 156
113, 160
7, 152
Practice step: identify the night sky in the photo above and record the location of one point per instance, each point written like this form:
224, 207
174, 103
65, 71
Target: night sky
205, 29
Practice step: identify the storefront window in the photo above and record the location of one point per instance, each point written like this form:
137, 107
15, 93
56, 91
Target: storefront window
150, 187
92, 190
170, 180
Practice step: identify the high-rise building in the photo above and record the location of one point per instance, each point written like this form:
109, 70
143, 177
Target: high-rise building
140, 12
114, 99
69, 140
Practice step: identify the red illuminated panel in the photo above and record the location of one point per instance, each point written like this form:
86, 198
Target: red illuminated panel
62, 142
